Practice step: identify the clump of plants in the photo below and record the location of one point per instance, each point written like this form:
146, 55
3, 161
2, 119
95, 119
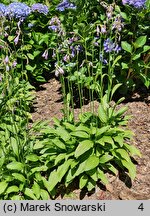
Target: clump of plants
94, 49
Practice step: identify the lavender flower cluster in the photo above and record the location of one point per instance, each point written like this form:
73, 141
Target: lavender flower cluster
135, 3
20, 10
65, 5
109, 46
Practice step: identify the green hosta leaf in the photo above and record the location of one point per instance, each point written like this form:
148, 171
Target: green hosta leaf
121, 111
91, 163
83, 147
85, 117
119, 139
93, 174
63, 133
69, 126
91, 184
136, 56
59, 158
133, 150
28, 192
131, 168
32, 157
39, 169
63, 169
80, 134
59, 143
14, 145
83, 181
140, 41
3, 186
123, 153
16, 197
52, 181
15, 166
108, 139
38, 145
101, 130
12, 189
126, 46
146, 48
83, 128
36, 189
105, 158
44, 195
102, 176
112, 168
102, 114
19, 177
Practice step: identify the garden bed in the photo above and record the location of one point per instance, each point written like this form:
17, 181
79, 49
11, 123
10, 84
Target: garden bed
48, 104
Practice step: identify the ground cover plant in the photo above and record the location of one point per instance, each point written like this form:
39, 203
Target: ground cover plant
96, 51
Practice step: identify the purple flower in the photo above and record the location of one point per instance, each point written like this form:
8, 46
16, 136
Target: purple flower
65, 5
6, 60
14, 63
117, 24
103, 29
102, 59
16, 40
2, 9
55, 24
17, 10
41, 8
109, 46
135, 3
30, 25
45, 54
58, 70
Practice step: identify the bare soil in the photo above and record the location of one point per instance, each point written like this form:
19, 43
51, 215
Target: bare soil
49, 104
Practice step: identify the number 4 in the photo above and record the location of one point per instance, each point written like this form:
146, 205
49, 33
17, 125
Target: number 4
141, 207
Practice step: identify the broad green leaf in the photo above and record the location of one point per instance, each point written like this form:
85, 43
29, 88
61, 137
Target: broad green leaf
101, 130
32, 157
83, 181
80, 169
19, 177
121, 111
12, 189
93, 174
3, 186
136, 56
108, 139
39, 169
80, 134
16, 197
83, 147
105, 158
30, 56
83, 128
133, 150
114, 89
112, 168
59, 143
44, 195
14, 145
126, 46
119, 139
91, 162
102, 114
63, 169
124, 65
91, 184
146, 48
28, 192
116, 60
69, 126
123, 153
30, 68
15, 166
59, 158
140, 41
63, 133
102, 176
52, 181
38, 144
131, 168
36, 190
